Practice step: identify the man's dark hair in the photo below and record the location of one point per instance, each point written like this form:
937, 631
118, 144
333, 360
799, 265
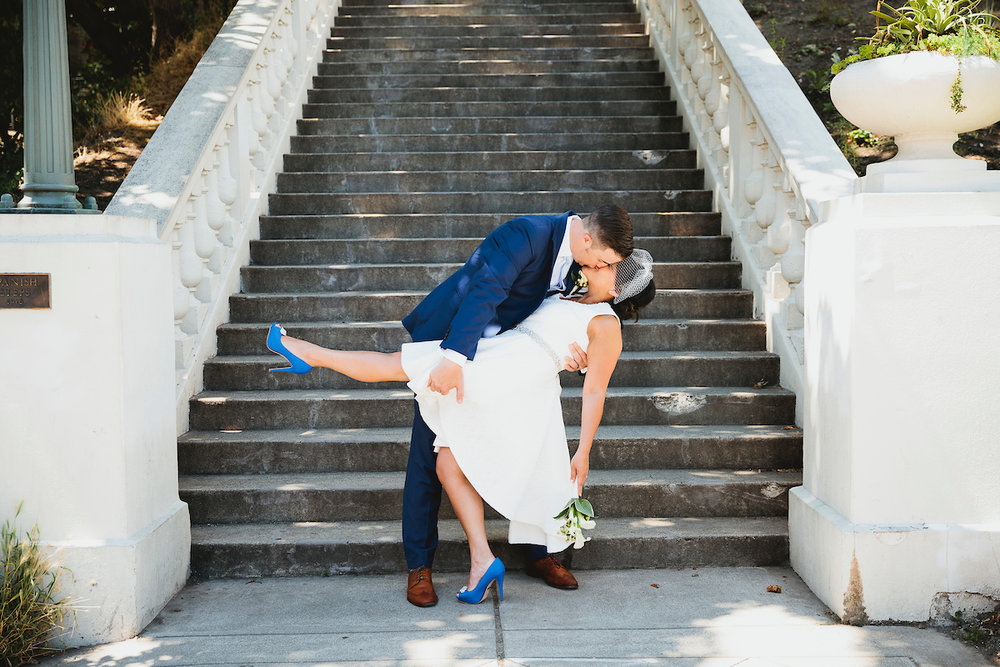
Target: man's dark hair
611, 226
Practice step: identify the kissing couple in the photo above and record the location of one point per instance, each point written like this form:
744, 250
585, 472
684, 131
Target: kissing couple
541, 294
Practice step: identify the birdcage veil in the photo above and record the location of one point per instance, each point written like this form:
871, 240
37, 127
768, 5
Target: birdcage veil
633, 274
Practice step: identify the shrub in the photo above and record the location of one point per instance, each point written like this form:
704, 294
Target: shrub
30, 613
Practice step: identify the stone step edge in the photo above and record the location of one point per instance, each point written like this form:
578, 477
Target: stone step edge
771, 481
364, 532
401, 435
271, 268
628, 355
468, 239
421, 293
396, 324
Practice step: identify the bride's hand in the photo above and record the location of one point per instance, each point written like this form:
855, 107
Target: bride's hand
579, 468
447, 375
577, 359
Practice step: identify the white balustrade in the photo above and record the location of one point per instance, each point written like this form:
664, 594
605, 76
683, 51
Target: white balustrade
206, 172
767, 157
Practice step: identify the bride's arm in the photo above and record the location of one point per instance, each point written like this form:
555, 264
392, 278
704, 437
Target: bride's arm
605, 347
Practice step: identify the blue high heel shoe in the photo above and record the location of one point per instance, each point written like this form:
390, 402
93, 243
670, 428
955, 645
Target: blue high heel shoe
274, 344
493, 573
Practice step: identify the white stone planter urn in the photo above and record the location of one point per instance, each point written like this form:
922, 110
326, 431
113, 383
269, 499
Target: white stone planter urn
908, 97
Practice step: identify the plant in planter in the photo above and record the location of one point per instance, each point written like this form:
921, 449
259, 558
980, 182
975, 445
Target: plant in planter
929, 73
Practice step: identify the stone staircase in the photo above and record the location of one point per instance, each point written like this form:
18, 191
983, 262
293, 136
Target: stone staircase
430, 124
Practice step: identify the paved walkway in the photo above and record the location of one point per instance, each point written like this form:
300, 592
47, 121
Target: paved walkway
706, 617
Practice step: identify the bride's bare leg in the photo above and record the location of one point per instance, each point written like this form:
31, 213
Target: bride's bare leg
360, 365
468, 506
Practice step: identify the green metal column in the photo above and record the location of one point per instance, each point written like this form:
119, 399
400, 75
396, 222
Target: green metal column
49, 184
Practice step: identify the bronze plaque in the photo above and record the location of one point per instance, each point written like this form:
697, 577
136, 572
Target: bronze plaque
24, 290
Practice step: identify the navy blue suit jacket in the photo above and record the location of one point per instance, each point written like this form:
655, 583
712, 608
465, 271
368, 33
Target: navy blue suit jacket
505, 280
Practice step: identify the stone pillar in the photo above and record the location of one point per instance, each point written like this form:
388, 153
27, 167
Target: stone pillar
48, 127
898, 517
87, 414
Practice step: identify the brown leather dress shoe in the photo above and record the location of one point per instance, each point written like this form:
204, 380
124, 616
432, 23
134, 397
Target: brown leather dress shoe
420, 588
553, 572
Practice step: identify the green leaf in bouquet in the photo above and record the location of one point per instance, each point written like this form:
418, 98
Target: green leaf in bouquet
564, 512
583, 506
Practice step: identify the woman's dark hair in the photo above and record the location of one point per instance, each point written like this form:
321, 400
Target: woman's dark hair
630, 307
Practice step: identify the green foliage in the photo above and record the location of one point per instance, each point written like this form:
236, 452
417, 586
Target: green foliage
862, 137
30, 611
954, 27
778, 43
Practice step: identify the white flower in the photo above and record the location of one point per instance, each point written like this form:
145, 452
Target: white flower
577, 515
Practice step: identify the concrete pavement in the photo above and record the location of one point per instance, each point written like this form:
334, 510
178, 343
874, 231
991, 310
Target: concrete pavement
707, 617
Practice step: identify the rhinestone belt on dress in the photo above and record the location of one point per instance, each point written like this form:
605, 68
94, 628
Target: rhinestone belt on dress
541, 342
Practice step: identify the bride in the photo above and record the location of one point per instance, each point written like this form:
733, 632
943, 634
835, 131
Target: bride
505, 443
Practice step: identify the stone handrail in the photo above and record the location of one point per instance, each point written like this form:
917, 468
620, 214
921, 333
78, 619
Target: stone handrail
205, 174
767, 157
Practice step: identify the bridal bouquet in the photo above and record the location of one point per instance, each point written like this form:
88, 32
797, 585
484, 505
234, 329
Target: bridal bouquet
577, 515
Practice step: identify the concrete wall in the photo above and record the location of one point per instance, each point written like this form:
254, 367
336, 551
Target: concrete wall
899, 500
87, 436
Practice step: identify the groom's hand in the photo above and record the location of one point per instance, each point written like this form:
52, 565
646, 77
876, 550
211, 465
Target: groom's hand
577, 361
447, 375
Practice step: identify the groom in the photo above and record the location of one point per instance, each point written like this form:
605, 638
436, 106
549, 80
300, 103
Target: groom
507, 277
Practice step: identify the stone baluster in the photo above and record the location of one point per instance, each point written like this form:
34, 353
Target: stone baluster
289, 44
256, 95
273, 83
793, 268
215, 212
182, 301
753, 185
697, 62
720, 121
191, 267
778, 232
228, 188
206, 243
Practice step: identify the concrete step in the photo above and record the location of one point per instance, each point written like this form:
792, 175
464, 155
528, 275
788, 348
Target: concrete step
433, 5
540, 80
524, 110
464, 225
479, 181
493, 125
634, 369
425, 251
504, 27
371, 277
388, 336
362, 547
488, 160
368, 306
436, 143
377, 496
474, 53
486, 94
530, 41
474, 20
243, 410
487, 202
486, 66
386, 449
563, 9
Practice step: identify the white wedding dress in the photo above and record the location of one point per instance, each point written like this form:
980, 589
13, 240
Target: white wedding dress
508, 435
